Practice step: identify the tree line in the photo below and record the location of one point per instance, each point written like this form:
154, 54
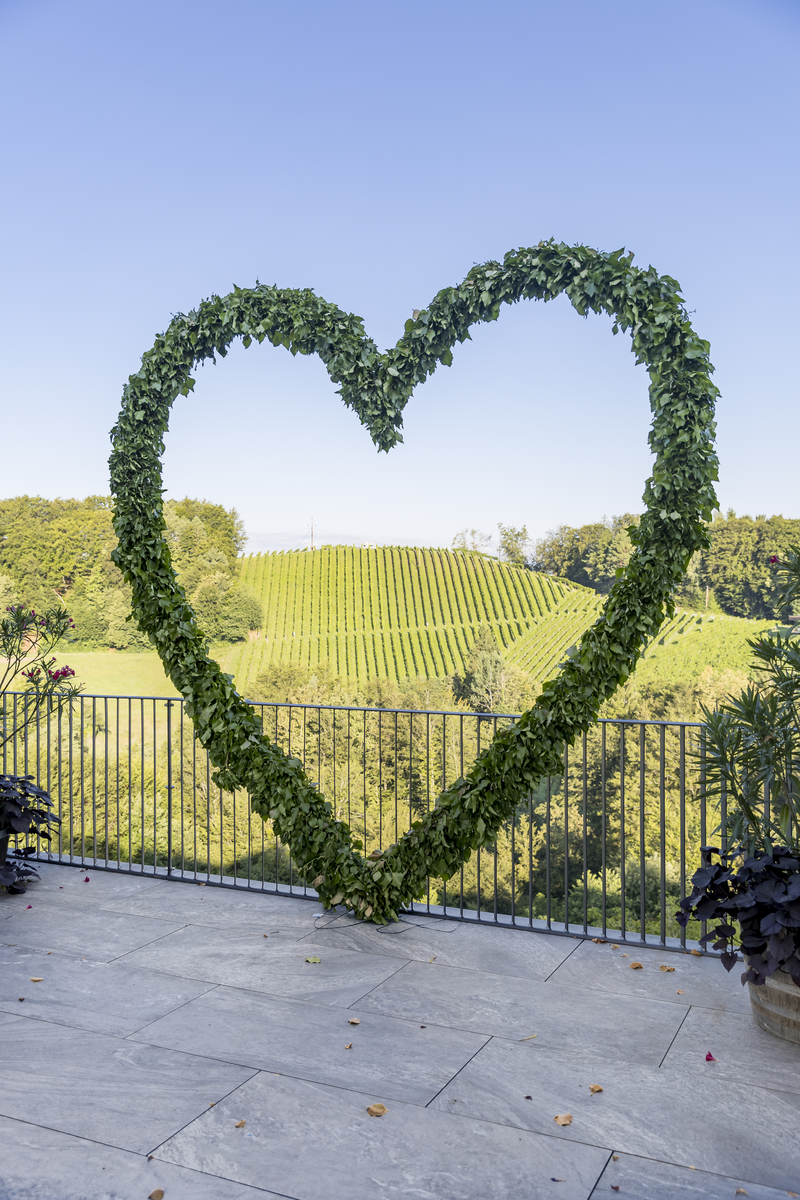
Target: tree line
734, 576
60, 551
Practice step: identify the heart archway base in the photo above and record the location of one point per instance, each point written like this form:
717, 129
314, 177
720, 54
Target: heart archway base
679, 499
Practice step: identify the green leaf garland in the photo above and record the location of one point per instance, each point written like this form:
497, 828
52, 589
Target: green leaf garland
679, 498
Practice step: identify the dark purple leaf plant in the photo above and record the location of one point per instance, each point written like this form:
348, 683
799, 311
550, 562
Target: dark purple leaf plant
749, 887
27, 640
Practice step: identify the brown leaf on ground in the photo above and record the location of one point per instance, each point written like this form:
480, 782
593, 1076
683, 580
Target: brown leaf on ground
740, 1192
615, 1187
158, 1194
211, 1103
679, 992
349, 1046
664, 967
594, 1087
696, 953
201, 885
636, 967
529, 1037
377, 1110
354, 1021
240, 1125
265, 935
615, 1157
600, 941
37, 978
563, 1118
431, 959
615, 947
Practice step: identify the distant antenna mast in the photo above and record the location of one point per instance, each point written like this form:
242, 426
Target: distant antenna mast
312, 533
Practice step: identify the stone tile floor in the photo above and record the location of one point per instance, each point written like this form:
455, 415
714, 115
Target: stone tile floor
178, 1038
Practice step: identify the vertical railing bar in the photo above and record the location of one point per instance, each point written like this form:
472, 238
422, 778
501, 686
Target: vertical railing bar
642, 798
663, 833
622, 846
603, 824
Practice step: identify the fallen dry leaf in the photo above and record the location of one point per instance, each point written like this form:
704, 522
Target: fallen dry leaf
615, 947
49, 951
679, 992
529, 1037
615, 1187
313, 958
600, 941
240, 1125
201, 885
595, 1087
158, 1194
354, 1021
349, 1046
740, 1192
265, 935
37, 978
663, 967
696, 953
636, 967
423, 1026
624, 955
615, 1158
432, 959
795, 1194
377, 1110
21, 999
563, 1118
212, 1103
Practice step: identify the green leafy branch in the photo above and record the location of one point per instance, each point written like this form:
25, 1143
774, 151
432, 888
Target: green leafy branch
679, 499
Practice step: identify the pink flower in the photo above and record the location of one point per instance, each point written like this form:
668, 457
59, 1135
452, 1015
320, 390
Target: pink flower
710, 1057
774, 558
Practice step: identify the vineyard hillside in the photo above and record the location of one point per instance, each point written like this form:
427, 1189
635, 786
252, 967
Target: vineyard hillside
400, 612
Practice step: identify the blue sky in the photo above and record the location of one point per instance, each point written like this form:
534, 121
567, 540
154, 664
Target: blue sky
156, 152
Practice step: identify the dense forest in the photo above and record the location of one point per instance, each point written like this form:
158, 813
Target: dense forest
60, 550
733, 576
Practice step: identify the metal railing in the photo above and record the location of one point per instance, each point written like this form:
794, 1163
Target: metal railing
604, 849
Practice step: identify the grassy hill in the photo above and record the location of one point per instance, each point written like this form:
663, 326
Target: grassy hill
398, 612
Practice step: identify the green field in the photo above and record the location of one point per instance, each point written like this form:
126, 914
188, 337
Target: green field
399, 613
109, 673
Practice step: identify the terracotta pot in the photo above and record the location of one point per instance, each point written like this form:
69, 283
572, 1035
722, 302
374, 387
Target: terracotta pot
776, 1006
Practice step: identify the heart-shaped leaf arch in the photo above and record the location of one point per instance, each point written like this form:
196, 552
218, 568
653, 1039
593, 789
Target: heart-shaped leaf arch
679, 498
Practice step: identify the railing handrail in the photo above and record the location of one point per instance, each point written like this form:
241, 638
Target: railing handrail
432, 712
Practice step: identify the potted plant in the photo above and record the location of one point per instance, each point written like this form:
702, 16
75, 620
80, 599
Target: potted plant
750, 886
26, 643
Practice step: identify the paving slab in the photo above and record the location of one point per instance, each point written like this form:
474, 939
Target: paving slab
43, 1164
622, 1027
245, 958
81, 932
501, 951
742, 1050
84, 994
103, 1088
315, 1142
702, 980
309, 1041
642, 1179
172, 900
70, 884
710, 1124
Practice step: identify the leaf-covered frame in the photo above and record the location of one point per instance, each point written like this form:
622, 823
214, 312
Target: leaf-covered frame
679, 499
